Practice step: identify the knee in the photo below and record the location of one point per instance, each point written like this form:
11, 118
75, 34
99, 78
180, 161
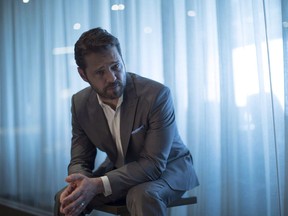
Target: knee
139, 196
57, 196
57, 203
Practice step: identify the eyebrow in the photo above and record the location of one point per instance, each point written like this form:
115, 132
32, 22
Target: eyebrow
103, 67
99, 69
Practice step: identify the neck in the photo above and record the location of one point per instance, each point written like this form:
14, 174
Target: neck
111, 102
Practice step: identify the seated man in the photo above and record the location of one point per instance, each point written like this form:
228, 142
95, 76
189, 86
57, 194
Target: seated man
132, 120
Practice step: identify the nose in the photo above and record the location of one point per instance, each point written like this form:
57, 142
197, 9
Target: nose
110, 76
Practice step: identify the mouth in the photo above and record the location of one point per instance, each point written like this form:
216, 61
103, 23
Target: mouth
114, 90
114, 86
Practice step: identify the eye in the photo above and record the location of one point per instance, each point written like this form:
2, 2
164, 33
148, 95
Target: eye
117, 66
99, 72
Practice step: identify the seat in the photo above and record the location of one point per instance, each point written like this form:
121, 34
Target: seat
121, 209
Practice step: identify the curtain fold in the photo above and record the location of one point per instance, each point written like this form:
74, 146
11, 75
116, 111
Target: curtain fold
284, 185
224, 61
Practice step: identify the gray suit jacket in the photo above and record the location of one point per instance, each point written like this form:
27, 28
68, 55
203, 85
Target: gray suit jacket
151, 144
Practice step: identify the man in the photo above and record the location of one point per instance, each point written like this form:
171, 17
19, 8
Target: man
132, 120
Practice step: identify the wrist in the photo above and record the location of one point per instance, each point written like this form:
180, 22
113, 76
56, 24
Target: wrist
98, 185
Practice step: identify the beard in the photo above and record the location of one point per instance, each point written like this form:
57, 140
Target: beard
112, 90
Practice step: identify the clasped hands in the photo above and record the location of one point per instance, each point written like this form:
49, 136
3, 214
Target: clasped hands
79, 192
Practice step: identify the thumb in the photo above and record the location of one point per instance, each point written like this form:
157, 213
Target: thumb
74, 177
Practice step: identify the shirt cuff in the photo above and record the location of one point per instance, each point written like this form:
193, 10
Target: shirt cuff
107, 186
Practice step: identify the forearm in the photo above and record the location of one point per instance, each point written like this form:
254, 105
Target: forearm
83, 151
82, 157
123, 178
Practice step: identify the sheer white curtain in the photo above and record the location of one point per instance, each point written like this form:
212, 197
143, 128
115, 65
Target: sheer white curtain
225, 62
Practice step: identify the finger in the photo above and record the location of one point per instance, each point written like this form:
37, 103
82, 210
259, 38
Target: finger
63, 195
68, 190
75, 207
71, 197
71, 187
74, 177
78, 210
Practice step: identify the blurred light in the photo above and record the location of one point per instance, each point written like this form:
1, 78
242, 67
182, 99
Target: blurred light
65, 93
26, 1
121, 7
116, 7
63, 50
76, 26
244, 66
147, 30
285, 24
191, 13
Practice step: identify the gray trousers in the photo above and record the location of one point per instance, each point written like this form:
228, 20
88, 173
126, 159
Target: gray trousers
149, 198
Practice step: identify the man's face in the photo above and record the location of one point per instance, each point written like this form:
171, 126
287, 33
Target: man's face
106, 73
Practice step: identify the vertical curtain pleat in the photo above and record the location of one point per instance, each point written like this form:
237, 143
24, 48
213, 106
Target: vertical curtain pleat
284, 185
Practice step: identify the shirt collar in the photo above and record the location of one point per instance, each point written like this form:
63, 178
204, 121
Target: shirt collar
120, 100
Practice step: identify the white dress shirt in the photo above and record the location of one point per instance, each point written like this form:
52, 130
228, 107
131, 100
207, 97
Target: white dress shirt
113, 119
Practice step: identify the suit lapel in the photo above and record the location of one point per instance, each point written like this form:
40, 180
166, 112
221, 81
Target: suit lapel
99, 127
128, 110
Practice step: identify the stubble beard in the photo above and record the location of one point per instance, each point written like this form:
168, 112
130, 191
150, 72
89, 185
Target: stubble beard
118, 89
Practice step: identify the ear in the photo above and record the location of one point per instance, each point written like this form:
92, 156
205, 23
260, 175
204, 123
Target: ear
82, 74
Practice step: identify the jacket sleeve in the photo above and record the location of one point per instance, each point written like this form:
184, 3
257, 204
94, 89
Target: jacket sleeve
83, 152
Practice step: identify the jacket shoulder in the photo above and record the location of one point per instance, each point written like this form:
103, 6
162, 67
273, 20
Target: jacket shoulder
146, 86
81, 98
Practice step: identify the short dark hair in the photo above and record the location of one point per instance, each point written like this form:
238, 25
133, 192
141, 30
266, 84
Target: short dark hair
94, 40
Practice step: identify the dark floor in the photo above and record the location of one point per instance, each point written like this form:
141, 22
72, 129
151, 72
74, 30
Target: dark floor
10, 208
